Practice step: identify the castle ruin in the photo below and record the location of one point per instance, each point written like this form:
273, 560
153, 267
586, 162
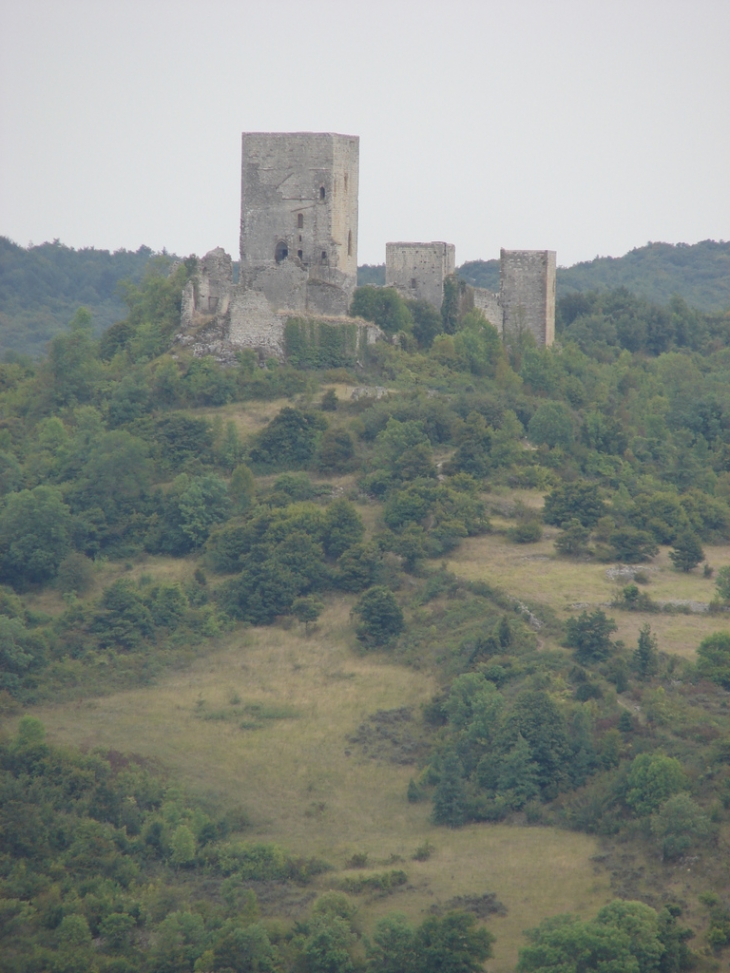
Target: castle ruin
298, 257
526, 298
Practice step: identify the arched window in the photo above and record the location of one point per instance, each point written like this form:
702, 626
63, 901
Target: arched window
281, 252
349, 241
321, 192
300, 221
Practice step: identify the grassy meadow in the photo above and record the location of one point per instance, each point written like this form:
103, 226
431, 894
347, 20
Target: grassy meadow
306, 787
264, 721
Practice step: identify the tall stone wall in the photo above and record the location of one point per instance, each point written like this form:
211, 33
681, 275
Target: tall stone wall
487, 302
299, 219
418, 270
527, 292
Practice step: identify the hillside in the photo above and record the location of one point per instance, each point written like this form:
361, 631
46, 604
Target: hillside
42, 287
300, 681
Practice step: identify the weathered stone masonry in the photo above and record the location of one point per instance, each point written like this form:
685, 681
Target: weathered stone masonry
298, 249
526, 298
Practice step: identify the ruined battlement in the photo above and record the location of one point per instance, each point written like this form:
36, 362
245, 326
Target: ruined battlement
298, 249
418, 270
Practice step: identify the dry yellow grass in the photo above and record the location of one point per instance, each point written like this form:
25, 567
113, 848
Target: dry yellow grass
304, 791
532, 571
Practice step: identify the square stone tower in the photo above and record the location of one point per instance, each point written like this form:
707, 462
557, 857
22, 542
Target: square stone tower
417, 270
299, 219
527, 292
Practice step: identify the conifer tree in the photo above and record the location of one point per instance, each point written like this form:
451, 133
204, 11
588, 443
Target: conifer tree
645, 657
449, 800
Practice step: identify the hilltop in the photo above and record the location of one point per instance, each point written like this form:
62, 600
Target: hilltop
42, 287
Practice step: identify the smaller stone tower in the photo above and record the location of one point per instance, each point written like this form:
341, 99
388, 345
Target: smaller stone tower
299, 219
418, 270
527, 293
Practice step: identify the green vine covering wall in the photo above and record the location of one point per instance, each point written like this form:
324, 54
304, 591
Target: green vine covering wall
316, 344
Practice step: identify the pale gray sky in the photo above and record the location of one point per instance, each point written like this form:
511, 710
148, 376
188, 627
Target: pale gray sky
580, 126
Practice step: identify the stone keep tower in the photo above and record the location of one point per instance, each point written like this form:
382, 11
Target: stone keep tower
527, 292
299, 219
417, 270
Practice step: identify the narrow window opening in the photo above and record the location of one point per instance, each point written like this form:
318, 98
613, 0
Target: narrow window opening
349, 239
300, 254
281, 252
324, 256
345, 182
414, 282
321, 192
300, 221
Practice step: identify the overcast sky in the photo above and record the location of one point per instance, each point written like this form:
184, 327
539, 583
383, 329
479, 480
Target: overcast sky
574, 125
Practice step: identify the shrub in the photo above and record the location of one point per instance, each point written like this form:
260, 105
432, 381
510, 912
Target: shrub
713, 658
687, 552
589, 636
652, 778
574, 501
381, 618
678, 825
527, 532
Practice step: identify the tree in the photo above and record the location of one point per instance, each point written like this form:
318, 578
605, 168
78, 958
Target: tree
687, 552
578, 500
343, 527
573, 540
245, 950
75, 574
382, 305
393, 946
327, 947
589, 636
519, 775
722, 583
289, 440
453, 944
241, 489
381, 618
551, 425
426, 322
35, 535
449, 802
645, 659
182, 844
678, 825
652, 778
307, 610
632, 546
562, 944
713, 658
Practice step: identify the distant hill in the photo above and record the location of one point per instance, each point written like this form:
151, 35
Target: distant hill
700, 273
42, 287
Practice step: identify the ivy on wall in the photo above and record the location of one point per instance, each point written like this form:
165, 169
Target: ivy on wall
316, 344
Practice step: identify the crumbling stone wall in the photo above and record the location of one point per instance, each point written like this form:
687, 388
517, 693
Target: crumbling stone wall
527, 292
487, 302
299, 219
418, 270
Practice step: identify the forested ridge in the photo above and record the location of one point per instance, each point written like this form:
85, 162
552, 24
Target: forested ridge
120, 460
